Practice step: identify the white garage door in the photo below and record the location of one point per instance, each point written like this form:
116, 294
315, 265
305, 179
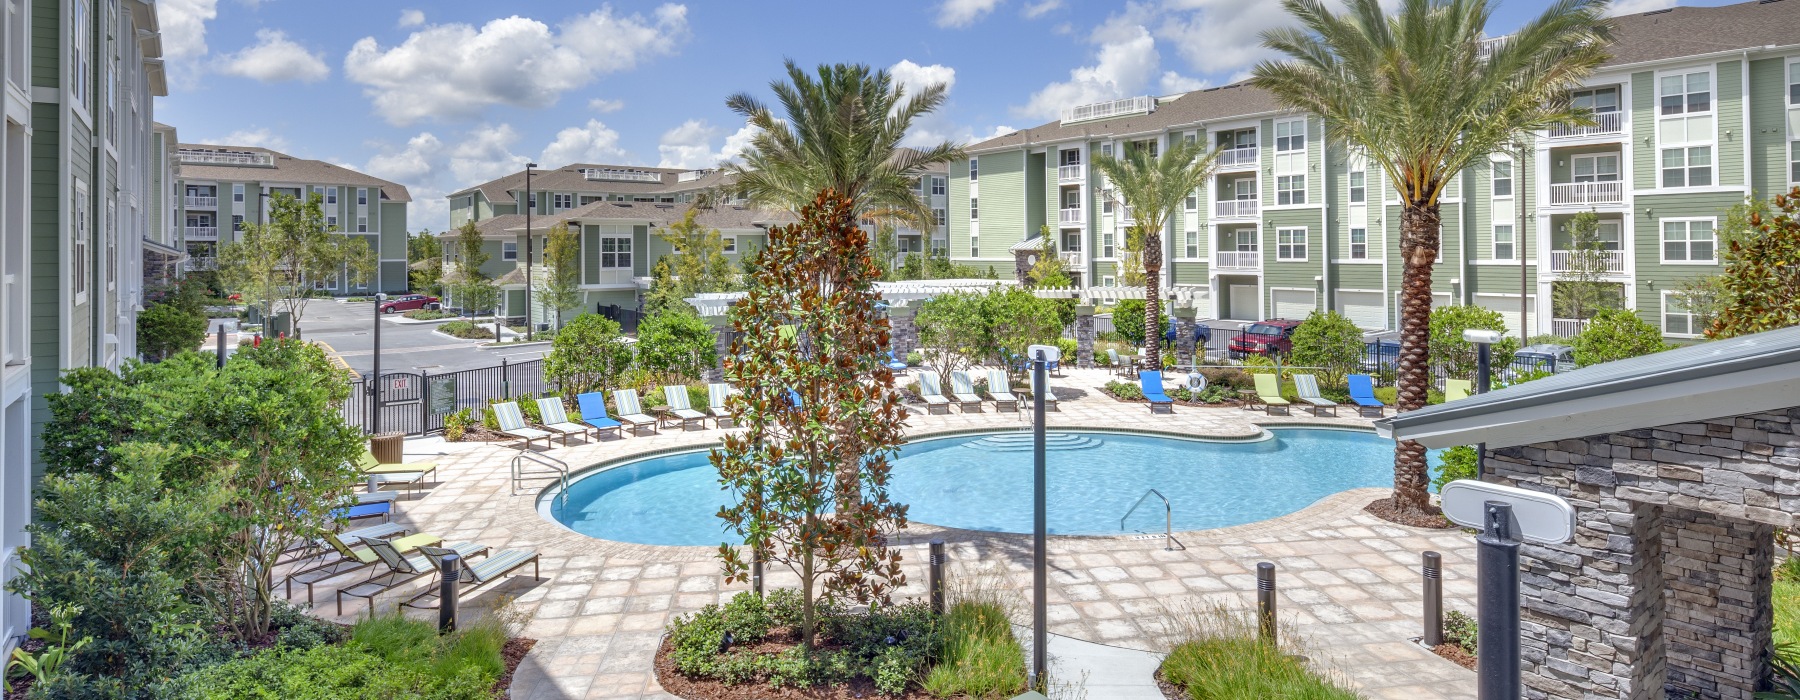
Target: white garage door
1364, 309
1437, 299
1243, 302
1507, 306
1294, 304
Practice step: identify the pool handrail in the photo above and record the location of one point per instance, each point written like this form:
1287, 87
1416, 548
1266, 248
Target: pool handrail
1168, 518
560, 467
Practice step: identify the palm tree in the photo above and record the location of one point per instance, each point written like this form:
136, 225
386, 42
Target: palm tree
841, 132
1153, 187
1422, 94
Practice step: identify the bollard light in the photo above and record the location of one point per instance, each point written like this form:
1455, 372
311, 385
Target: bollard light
1265, 600
1432, 569
936, 578
449, 573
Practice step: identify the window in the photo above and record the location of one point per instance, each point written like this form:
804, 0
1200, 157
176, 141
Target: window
78, 254
1595, 167
1187, 137
1109, 281
331, 196
1359, 187
560, 202
615, 252
1290, 136
1689, 166
237, 193
974, 245
362, 196
509, 250
939, 216
974, 169
1359, 244
78, 53
1677, 318
1071, 199
730, 244
1688, 93
1290, 189
111, 262
1106, 245
331, 222
974, 204
1193, 244
937, 185
1794, 156
1106, 149
1794, 84
1503, 242
237, 222
1242, 138
1687, 241
1072, 242
1502, 178
1106, 201
362, 224
531, 202
1599, 100
1192, 203
1290, 244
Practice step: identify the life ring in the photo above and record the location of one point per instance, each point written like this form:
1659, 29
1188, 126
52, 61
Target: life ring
1196, 381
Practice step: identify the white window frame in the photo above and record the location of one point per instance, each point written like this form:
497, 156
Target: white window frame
1618, 104
1494, 178
80, 59
940, 216
1709, 140
1793, 82
1106, 150
974, 208
79, 241
237, 192
1662, 251
974, 169
1191, 244
1109, 281
1350, 243
974, 244
1283, 250
362, 224
938, 186
362, 196
109, 262
1512, 242
730, 243
331, 196
621, 252
509, 250
1296, 130
561, 201
1108, 246
1358, 194
1596, 159
1294, 196
1686, 167
1663, 314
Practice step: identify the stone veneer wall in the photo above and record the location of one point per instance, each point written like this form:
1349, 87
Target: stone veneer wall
1084, 336
1665, 590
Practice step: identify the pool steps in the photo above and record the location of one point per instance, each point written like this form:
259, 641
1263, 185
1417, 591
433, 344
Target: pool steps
1054, 442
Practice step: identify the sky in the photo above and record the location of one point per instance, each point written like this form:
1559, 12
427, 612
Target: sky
440, 95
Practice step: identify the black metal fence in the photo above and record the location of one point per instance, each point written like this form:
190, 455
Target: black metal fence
416, 403
626, 318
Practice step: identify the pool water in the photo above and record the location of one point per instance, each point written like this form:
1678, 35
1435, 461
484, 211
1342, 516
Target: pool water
983, 482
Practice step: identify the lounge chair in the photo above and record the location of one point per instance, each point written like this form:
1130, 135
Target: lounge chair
402, 568
593, 413
933, 395
369, 465
632, 412
512, 422
1268, 391
680, 409
894, 364
1000, 388
716, 393
1362, 392
556, 420
1306, 388
963, 391
475, 575
1049, 394
1150, 381
1457, 389
352, 556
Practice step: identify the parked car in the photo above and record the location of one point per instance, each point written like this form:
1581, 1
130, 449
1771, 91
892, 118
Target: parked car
1544, 357
1380, 355
1272, 337
1202, 333
407, 302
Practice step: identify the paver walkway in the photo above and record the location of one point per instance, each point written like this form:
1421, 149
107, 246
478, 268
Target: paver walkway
1349, 582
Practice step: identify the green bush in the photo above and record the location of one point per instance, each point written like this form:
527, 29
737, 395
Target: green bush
1223, 657
468, 330
1068, 347
887, 644
1457, 356
979, 657
456, 425
1125, 390
427, 314
1461, 630
1330, 342
1128, 320
331, 673
1616, 334
914, 358
167, 328
677, 344
1458, 463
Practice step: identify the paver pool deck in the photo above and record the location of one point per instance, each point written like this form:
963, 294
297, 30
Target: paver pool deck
1348, 582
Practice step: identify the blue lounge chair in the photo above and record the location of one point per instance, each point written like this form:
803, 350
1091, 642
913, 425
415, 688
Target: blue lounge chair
1150, 381
1362, 392
896, 365
593, 412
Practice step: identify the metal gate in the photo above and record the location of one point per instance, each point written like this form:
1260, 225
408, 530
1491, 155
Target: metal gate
416, 404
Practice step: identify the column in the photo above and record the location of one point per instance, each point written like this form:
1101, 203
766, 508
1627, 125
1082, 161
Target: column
1184, 336
721, 327
903, 334
1084, 336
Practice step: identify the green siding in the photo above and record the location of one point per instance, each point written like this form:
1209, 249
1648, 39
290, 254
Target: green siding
1730, 146
1003, 204
46, 45
641, 241
957, 204
590, 254
1643, 126
1036, 207
1190, 273
1357, 276
392, 216
48, 205
1648, 237
1768, 125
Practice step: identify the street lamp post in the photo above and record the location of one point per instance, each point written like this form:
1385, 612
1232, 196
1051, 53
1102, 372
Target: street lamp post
530, 205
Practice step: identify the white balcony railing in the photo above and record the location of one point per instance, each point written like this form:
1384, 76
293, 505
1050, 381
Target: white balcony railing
621, 175
1564, 261
1125, 216
1236, 208
1112, 108
1071, 258
202, 233
209, 157
1605, 124
1240, 157
1238, 260
1071, 216
1071, 174
200, 264
1578, 193
1567, 327
202, 202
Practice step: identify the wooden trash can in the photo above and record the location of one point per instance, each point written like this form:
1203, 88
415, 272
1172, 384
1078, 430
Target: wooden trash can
388, 448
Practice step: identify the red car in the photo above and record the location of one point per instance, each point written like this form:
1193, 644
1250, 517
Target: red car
1272, 337
407, 302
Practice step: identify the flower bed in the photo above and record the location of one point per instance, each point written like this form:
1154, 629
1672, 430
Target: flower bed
465, 329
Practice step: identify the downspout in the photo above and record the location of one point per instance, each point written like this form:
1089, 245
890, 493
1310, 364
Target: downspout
1744, 97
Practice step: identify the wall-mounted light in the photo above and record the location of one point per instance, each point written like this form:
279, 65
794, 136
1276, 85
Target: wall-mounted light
1648, 213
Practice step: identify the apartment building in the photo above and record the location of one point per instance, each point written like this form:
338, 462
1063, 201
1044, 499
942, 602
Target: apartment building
220, 187
77, 181
1698, 108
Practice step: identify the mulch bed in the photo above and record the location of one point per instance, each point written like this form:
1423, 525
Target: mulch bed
1456, 655
513, 653
1227, 403
1169, 690
1386, 510
674, 683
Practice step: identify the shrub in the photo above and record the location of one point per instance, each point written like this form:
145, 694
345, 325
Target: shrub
746, 617
1457, 356
1461, 630
979, 657
468, 330
331, 672
676, 343
427, 314
167, 328
1068, 347
588, 354
1222, 657
1616, 334
1128, 321
1125, 390
1330, 342
914, 358
456, 425
1458, 463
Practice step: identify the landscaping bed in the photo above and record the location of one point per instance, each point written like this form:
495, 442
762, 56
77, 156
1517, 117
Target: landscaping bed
1222, 656
467, 330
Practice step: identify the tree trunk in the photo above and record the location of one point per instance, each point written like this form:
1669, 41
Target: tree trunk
1152, 298
1418, 250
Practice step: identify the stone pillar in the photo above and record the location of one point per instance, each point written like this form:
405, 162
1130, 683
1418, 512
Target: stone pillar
903, 333
1184, 336
721, 327
1084, 336
1717, 615
1022, 261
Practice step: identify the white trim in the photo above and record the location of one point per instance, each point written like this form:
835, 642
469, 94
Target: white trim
1662, 318
1661, 251
1305, 243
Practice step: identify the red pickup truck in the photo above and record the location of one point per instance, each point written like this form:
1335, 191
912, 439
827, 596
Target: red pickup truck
1271, 337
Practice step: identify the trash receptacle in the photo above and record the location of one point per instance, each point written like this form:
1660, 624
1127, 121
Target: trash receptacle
388, 448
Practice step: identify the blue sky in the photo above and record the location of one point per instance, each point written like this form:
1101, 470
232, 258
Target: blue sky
445, 94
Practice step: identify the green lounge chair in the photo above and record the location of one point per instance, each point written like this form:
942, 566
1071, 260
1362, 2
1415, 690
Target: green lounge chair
556, 420
1307, 389
1000, 388
963, 391
512, 422
402, 568
679, 407
475, 575
933, 395
716, 393
1457, 389
369, 465
1268, 391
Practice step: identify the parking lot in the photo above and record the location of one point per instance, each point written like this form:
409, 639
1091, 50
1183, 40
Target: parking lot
347, 331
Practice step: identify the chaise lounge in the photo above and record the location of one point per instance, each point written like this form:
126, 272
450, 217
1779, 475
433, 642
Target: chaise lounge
593, 413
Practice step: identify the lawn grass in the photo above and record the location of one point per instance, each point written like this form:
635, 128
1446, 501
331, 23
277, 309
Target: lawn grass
1787, 612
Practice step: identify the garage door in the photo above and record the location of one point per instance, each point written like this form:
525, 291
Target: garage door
1293, 304
1243, 302
1508, 308
1437, 299
1365, 309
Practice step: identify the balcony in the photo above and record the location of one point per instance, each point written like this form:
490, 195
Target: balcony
1563, 261
1071, 174
1584, 193
1238, 260
200, 264
1240, 157
202, 233
193, 201
1070, 217
202, 156
1567, 327
1070, 258
1605, 124
1236, 209
619, 175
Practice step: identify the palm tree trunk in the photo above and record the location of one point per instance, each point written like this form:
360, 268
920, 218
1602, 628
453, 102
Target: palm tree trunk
1418, 250
1153, 260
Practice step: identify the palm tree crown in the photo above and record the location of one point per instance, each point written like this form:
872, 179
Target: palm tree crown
841, 132
1153, 186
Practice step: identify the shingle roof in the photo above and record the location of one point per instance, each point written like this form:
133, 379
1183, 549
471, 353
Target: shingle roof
289, 169
1234, 100
569, 178
726, 218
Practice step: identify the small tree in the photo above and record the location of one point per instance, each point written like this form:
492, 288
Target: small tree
1128, 321
698, 265
1457, 357
174, 321
275, 264
1616, 334
1583, 290
677, 344
587, 355
475, 291
1704, 297
1017, 319
425, 263
1761, 284
821, 421
1049, 270
884, 248
560, 289
1330, 341
952, 330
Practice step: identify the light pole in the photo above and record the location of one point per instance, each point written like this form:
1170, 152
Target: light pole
1484, 342
375, 374
530, 204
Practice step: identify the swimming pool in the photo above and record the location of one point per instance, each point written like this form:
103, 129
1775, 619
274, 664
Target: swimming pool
983, 482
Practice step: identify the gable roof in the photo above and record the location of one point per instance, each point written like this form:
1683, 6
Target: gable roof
287, 169
725, 218
1747, 374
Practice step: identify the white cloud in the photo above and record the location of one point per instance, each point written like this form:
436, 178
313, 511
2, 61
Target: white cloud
260, 137
1173, 82
605, 106
411, 18
457, 71
412, 163
183, 24
593, 142
274, 59
1125, 64
1039, 9
962, 13
690, 145
913, 77
1631, 7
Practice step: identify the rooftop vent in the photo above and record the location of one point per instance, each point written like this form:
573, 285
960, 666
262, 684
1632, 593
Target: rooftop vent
1107, 110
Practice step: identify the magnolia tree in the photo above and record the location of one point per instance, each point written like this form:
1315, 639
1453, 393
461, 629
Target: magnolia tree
809, 473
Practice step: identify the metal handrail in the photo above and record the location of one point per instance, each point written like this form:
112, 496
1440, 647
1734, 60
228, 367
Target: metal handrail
1168, 518
561, 468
